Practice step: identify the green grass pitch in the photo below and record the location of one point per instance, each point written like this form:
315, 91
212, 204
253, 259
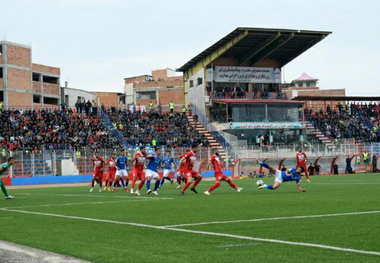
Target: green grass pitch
118, 227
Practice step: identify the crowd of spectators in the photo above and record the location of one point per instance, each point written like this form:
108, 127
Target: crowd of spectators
358, 121
49, 129
155, 128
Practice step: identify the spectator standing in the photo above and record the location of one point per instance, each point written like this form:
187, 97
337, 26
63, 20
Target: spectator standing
183, 110
150, 105
348, 166
171, 107
310, 169
1, 106
365, 159
336, 169
317, 169
374, 163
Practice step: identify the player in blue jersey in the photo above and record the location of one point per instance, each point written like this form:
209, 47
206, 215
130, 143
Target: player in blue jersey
168, 162
121, 170
291, 174
151, 170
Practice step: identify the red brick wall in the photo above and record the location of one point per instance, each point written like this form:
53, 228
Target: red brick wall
176, 95
18, 78
19, 99
52, 89
134, 79
109, 99
37, 86
154, 84
317, 105
46, 69
161, 73
19, 56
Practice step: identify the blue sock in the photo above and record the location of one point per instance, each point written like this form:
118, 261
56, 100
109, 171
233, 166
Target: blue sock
114, 184
270, 187
122, 182
126, 183
157, 185
264, 164
162, 182
148, 185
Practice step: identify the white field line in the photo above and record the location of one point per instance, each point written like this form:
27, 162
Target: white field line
82, 203
273, 218
375, 253
100, 196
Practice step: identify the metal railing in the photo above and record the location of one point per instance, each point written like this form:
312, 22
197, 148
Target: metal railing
69, 162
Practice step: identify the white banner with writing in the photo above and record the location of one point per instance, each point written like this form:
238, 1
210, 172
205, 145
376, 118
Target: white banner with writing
247, 74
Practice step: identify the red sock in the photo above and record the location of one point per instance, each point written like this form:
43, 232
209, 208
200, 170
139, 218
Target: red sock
196, 182
186, 186
133, 184
229, 181
179, 180
93, 183
141, 185
306, 174
100, 183
216, 185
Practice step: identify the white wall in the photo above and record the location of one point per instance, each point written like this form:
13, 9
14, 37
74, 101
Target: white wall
196, 93
74, 94
128, 90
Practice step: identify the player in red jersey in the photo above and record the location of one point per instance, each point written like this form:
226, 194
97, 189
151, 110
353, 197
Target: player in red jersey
138, 169
98, 163
180, 171
219, 176
111, 172
190, 174
301, 162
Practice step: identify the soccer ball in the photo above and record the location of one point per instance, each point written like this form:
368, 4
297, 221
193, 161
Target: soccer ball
259, 182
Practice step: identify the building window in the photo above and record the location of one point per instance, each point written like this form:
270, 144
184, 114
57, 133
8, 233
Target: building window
150, 95
1, 73
121, 99
191, 83
1, 95
36, 76
51, 101
199, 81
307, 84
36, 99
52, 80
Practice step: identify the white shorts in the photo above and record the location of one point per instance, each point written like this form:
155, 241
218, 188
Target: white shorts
278, 176
166, 172
151, 174
121, 173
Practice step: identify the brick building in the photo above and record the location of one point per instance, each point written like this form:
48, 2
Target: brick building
24, 84
306, 86
161, 87
110, 99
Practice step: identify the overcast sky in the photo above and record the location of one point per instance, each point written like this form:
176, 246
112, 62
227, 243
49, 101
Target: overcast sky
97, 43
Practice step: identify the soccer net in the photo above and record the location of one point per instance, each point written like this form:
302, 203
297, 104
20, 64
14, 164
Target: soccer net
250, 166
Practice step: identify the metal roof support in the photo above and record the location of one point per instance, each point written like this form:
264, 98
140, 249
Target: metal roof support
255, 50
217, 53
277, 45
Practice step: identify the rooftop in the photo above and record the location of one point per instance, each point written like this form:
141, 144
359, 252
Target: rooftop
255, 44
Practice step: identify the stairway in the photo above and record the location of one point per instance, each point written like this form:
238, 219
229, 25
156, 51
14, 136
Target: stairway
210, 138
322, 138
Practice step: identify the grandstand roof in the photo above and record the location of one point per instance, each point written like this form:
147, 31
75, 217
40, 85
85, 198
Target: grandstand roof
256, 101
255, 44
336, 98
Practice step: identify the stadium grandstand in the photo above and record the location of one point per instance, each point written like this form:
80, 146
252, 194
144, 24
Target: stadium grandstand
237, 104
